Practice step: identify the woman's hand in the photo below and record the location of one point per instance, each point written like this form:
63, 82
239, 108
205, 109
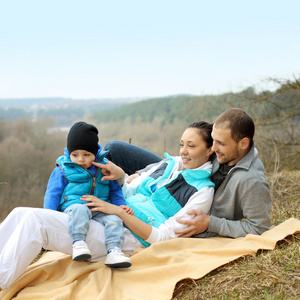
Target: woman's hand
111, 172
131, 177
97, 204
143, 230
128, 209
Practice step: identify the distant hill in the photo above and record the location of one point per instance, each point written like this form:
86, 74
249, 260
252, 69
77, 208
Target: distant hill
64, 111
186, 108
265, 107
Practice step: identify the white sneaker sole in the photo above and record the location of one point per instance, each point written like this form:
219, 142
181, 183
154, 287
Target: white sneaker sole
81, 257
124, 264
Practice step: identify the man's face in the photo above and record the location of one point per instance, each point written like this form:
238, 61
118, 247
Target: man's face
228, 151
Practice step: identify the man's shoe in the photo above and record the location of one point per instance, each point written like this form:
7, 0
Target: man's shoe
81, 251
117, 259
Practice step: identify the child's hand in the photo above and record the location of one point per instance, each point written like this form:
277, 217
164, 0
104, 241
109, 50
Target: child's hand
129, 210
131, 177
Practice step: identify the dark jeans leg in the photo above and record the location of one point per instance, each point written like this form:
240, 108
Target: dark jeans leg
129, 157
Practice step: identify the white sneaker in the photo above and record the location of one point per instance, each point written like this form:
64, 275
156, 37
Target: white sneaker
117, 259
81, 251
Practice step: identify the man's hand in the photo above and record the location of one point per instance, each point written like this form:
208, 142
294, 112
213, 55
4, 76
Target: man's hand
196, 225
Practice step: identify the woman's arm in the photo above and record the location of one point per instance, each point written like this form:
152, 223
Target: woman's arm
137, 226
166, 231
201, 200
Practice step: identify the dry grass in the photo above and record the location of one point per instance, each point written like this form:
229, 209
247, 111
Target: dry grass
267, 275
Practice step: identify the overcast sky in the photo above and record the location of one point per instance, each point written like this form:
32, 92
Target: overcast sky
136, 48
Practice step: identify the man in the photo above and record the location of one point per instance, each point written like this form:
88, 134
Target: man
242, 198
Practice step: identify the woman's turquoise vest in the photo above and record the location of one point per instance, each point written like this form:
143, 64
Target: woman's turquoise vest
154, 206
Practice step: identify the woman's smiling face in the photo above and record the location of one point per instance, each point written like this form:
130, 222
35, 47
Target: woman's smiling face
193, 149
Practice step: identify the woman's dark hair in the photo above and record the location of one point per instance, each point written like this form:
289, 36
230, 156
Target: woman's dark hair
205, 130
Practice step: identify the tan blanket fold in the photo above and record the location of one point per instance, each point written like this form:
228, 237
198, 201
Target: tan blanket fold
154, 272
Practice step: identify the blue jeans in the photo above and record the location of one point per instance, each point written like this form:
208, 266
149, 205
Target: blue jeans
130, 157
79, 224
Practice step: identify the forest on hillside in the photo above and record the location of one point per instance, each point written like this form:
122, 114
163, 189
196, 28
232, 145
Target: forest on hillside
29, 147
156, 124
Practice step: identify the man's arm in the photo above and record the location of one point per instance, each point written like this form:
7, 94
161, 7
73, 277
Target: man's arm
255, 204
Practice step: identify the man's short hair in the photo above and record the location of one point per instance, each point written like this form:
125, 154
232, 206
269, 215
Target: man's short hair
239, 122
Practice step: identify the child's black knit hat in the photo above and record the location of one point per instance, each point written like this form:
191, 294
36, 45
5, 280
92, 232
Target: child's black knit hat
83, 136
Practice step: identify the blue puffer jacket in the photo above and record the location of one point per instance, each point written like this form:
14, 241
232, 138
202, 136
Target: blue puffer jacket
69, 181
155, 205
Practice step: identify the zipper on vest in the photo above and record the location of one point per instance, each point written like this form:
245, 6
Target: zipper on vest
93, 185
94, 177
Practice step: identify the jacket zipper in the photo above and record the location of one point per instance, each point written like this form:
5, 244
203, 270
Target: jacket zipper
93, 177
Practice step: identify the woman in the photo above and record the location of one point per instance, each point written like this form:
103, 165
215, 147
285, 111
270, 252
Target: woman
26, 230
168, 190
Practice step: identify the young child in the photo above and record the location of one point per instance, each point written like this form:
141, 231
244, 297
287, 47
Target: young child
75, 176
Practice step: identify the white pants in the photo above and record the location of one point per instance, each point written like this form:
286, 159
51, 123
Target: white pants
26, 230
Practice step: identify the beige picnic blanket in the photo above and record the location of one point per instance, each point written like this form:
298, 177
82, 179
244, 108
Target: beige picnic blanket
153, 274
